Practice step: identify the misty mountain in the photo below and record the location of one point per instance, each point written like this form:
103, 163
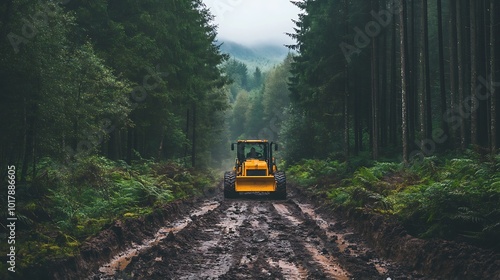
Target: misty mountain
265, 56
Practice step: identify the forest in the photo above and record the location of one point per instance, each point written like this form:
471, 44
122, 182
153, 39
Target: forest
96, 97
393, 108
112, 108
396, 78
153, 64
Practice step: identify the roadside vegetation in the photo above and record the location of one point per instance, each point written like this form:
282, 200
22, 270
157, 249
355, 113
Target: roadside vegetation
450, 198
67, 203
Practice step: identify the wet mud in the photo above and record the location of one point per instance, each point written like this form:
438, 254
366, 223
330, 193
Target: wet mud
253, 238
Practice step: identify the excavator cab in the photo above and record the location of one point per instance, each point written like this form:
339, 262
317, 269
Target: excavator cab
252, 151
255, 170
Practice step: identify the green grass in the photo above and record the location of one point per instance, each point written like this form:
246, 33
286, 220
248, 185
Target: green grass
454, 198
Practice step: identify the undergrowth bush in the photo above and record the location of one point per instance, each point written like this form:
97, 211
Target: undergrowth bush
95, 189
308, 171
456, 198
68, 202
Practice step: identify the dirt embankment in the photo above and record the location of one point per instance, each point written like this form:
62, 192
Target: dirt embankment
438, 259
110, 242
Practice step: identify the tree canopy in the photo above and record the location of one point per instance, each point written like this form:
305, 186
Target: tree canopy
126, 79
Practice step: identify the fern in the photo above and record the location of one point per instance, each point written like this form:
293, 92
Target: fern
364, 176
428, 166
466, 215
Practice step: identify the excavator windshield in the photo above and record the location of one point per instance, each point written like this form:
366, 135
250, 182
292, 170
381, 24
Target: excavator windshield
247, 150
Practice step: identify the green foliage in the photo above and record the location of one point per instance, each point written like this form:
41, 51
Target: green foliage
96, 188
258, 111
297, 134
455, 198
461, 199
239, 114
316, 83
238, 74
76, 200
308, 171
365, 187
98, 75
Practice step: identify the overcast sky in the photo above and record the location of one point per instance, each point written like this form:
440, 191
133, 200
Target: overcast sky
252, 22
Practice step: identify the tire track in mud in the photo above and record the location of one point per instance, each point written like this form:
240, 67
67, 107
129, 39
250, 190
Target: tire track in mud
122, 260
258, 239
313, 245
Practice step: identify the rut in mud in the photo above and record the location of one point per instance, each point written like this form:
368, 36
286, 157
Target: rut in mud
253, 239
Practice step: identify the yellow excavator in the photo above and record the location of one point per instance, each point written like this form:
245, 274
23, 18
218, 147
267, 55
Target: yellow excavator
255, 170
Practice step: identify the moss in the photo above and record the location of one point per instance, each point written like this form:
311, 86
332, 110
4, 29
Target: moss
130, 215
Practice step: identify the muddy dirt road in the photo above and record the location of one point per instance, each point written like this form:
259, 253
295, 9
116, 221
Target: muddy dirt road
253, 238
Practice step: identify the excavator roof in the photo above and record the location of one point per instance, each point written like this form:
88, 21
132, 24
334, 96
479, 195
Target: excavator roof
252, 141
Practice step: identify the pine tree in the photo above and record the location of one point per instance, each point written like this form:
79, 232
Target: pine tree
404, 105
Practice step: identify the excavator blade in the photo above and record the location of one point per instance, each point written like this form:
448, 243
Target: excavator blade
255, 184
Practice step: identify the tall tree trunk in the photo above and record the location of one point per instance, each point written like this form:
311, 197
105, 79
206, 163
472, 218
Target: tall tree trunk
453, 63
76, 129
393, 117
412, 56
186, 146
427, 71
357, 123
110, 145
119, 145
33, 147
6, 18
130, 144
484, 132
374, 91
30, 123
460, 71
473, 81
493, 107
404, 110
442, 83
421, 76
25, 147
346, 85
346, 114
160, 147
193, 142
383, 96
